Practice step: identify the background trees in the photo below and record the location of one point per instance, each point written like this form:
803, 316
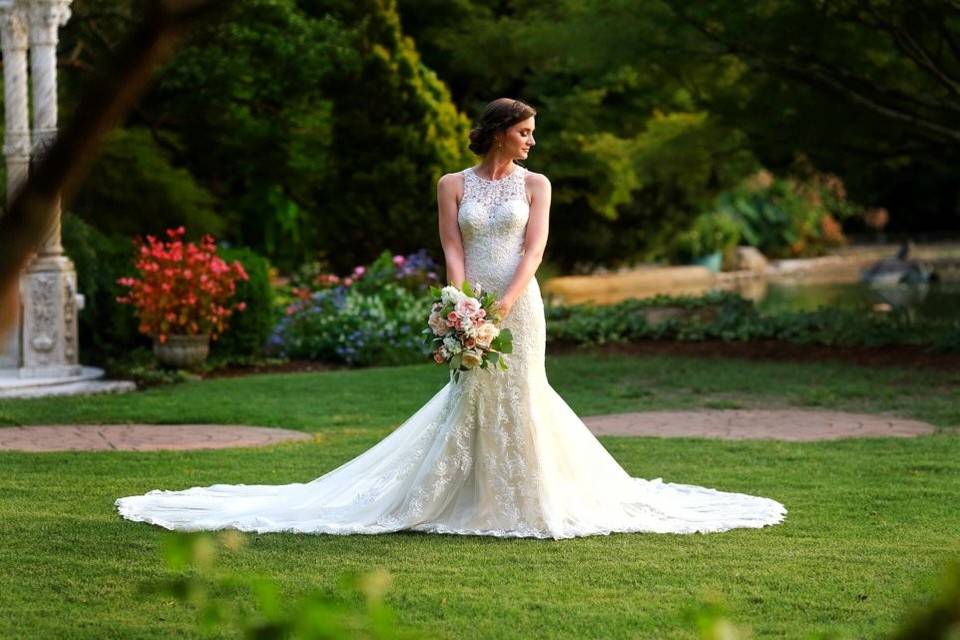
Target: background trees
309, 129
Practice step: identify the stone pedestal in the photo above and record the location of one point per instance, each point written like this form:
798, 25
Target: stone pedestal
49, 293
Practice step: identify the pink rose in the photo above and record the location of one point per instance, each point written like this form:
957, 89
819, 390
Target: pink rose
438, 324
467, 308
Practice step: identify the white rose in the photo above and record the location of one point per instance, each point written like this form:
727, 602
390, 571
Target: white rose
467, 326
451, 294
471, 358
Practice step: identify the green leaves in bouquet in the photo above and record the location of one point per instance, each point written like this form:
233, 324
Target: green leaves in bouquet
466, 288
503, 342
495, 359
455, 364
428, 337
435, 292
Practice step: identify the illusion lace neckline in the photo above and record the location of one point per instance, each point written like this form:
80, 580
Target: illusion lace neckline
516, 170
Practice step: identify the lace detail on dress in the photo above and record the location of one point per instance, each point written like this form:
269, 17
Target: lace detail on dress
491, 192
497, 454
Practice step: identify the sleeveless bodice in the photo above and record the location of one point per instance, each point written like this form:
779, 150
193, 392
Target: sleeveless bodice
493, 220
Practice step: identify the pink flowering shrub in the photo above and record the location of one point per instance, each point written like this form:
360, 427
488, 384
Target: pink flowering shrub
182, 288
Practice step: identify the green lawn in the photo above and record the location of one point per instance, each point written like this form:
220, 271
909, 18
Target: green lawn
871, 522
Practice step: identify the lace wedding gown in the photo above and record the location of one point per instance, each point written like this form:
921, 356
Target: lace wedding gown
497, 454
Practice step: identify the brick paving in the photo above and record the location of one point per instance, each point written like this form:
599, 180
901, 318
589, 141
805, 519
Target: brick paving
792, 425
141, 437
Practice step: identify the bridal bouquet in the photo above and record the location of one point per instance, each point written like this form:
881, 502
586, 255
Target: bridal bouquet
462, 330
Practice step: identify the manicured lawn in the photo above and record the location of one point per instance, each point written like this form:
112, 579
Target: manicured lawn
377, 399
871, 521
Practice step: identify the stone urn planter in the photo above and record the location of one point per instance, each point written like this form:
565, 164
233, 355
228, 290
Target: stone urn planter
182, 351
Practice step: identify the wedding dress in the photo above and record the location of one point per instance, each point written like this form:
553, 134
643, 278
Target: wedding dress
498, 453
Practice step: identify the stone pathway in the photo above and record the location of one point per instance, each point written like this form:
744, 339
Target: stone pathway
792, 425
141, 437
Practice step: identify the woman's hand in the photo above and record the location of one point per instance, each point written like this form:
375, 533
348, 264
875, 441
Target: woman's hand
503, 308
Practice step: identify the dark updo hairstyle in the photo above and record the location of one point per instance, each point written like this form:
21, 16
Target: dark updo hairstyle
498, 116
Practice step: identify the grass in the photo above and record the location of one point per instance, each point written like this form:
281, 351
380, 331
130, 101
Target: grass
591, 383
871, 521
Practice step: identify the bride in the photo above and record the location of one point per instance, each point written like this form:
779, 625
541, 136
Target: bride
498, 453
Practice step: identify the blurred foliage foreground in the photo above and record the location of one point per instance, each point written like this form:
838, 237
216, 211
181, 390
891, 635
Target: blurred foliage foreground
254, 607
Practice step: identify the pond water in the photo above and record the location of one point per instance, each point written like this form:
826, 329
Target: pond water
936, 301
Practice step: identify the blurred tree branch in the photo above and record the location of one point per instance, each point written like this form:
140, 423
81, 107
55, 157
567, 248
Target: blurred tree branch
103, 106
922, 36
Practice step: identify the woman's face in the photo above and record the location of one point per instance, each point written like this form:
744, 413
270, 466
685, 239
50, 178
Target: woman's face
518, 140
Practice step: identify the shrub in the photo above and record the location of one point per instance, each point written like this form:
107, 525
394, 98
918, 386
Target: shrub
372, 316
727, 316
711, 232
249, 331
183, 289
343, 324
107, 329
131, 165
788, 217
416, 272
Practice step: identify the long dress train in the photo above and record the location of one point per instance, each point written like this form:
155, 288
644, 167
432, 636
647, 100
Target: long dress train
498, 454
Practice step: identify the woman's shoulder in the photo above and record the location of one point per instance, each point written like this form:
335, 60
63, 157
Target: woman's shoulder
536, 180
451, 181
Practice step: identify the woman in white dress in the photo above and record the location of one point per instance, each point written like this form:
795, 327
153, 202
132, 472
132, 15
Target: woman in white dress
498, 453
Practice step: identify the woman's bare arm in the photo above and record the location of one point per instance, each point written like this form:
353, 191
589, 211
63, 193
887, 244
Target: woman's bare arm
534, 242
448, 189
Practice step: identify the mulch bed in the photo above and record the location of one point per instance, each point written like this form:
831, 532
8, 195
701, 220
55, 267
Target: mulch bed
292, 366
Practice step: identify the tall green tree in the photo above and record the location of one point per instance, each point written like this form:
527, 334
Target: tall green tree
240, 110
394, 132
244, 107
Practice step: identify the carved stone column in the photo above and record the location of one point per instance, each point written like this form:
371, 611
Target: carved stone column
49, 286
16, 143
